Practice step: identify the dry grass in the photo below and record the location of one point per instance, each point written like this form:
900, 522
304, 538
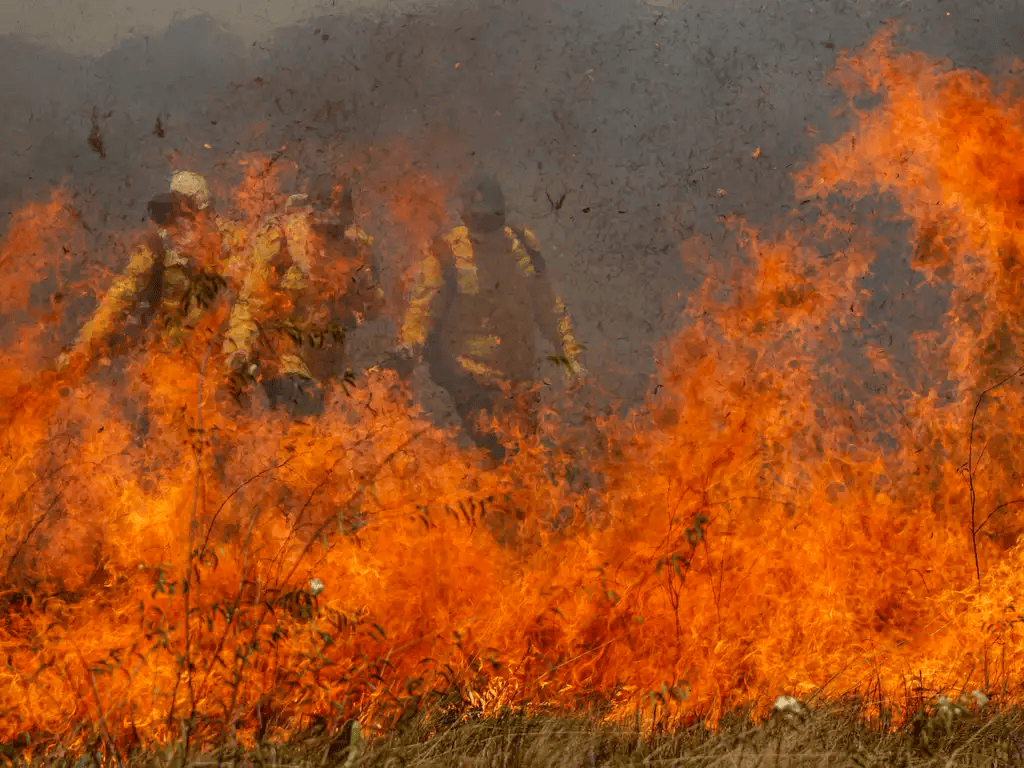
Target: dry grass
834, 735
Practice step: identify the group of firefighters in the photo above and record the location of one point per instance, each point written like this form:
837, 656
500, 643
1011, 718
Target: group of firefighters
304, 278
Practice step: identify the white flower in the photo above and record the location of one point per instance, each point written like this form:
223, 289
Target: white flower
316, 586
789, 707
980, 699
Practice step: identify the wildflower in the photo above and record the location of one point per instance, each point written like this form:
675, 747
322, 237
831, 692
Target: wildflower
789, 708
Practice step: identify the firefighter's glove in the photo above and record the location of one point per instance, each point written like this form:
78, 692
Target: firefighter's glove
242, 373
239, 362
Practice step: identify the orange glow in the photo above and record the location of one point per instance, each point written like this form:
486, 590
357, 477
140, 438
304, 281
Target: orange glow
260, 191
761, 527
40, 242
411, 206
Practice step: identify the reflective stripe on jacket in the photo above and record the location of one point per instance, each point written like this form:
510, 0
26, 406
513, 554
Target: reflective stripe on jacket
165, 281
479, 297
273, 297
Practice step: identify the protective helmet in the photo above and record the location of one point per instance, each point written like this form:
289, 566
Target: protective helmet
192, 186
482, 203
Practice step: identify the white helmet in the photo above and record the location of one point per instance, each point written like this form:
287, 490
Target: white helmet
193, 186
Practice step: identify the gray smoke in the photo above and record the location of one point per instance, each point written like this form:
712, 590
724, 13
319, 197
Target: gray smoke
612, 125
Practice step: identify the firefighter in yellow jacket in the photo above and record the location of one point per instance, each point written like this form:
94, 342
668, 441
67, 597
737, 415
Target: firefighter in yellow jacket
313, 277
474, 304
173, 277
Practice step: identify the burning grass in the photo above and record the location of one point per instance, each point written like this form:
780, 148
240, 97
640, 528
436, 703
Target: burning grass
177, 570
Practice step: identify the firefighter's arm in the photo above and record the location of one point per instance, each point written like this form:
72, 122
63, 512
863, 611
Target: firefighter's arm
243, 329
427, 283
366, 242
297, 235
237, 255
549, 309
119, 297
556, 325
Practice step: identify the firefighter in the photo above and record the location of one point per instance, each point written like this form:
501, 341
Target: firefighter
313, 278
474, 303
173, 277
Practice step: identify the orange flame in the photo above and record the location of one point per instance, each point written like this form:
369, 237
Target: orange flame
748, 533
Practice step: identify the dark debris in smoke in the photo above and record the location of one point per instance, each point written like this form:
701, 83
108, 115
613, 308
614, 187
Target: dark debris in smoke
95, 136
613, 124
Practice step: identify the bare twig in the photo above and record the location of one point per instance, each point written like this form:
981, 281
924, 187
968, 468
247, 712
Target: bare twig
971, 469
107, 736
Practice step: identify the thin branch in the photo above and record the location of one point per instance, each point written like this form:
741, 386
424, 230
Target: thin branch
972, 468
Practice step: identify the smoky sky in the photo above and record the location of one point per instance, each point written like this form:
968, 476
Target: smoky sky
613, 125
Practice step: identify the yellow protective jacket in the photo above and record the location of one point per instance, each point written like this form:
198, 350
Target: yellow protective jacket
164, 282
283, 302
477, 298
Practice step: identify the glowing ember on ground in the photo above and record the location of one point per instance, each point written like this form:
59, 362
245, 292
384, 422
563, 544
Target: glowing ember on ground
752, 538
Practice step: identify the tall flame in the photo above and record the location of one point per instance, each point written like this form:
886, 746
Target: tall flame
745, 533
